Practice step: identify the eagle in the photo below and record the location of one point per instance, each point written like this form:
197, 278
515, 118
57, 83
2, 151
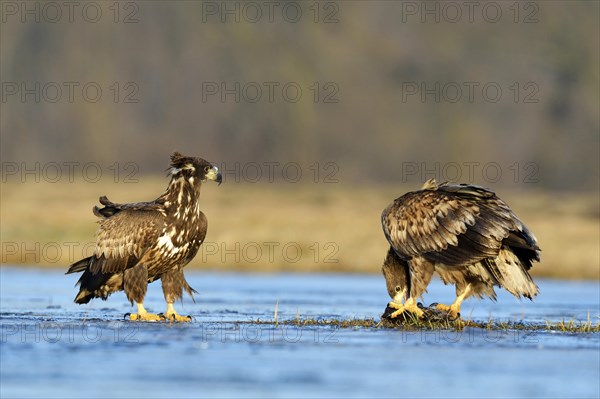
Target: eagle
466, 234
141, 242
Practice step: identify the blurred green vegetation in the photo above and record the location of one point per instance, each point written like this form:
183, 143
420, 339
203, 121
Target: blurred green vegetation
369, 56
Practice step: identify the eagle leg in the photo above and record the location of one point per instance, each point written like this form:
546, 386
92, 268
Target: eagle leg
454, 308
408, 306
173, 283
143, 315
172, 315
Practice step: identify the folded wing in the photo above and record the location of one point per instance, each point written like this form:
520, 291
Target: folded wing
453, 224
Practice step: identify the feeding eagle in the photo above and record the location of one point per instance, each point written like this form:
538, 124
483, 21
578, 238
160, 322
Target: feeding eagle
139, 243
466, 234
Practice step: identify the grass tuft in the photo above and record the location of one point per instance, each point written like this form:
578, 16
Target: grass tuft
413, 323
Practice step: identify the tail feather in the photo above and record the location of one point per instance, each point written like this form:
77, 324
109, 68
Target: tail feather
511, 272
94, 285
79, 266
524, 245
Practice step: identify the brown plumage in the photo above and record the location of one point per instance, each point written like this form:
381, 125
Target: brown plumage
141, 242
466, 234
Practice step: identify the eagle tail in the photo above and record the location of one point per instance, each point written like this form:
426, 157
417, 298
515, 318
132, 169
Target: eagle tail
510, 269
94, 285
84, 295
79, 266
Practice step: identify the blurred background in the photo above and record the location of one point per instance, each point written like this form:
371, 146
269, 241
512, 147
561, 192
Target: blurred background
318, 113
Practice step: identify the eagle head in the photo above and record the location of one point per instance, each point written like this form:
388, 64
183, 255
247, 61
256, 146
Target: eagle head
395, 272
194, 168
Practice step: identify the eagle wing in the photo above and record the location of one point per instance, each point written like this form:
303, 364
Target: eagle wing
453, 224
124, 237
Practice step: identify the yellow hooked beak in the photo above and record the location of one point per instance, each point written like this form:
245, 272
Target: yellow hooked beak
214, 174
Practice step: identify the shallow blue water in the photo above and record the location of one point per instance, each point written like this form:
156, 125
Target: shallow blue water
51, 347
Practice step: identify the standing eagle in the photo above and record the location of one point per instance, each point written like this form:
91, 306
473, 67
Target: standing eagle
466, 234
139, 243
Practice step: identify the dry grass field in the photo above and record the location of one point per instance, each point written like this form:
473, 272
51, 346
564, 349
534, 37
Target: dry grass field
280, 227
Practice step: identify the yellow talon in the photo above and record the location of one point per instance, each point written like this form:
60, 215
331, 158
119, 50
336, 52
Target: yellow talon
172, 315
452, 310
178, 318
144, 317
409, 306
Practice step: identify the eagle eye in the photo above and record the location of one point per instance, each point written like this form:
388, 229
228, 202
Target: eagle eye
206, 169
398, 289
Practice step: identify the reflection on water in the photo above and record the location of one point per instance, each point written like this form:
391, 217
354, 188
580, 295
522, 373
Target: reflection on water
54, 348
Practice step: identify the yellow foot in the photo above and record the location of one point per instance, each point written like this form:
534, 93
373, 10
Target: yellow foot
409, 307
173, 316
452, 310
144, 317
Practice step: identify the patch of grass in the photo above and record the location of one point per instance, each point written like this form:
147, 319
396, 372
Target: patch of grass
310, 322
412, 324
573, 326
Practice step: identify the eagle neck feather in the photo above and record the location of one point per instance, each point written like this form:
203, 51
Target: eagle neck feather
182, 195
